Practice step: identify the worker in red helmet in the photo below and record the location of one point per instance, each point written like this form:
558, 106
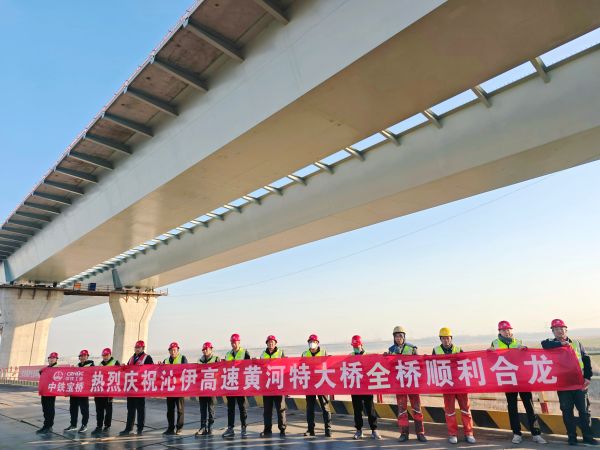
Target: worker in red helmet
236, 353
175, 357
48, 402
314, 349
507, 340
137, 405
104, 405
207, 404
401, 347
80, 403
363, 401
447, 347
577, 398
272, 352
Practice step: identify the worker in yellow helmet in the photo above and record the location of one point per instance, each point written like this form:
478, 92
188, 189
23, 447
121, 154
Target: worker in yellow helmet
447, 347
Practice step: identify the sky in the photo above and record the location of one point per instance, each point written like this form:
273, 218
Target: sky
527, 253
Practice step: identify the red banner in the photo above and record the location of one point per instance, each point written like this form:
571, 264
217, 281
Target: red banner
479, 371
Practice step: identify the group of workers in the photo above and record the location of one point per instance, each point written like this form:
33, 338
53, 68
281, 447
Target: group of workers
136, 405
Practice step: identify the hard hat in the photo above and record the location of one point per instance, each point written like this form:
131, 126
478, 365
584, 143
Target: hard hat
106, 351
271, 338
558, 323
399, 329
234, 338
313, 337
445, 332
207, 345
173, 345
141, 344
84, 353
53, 355
356, 341
504, 325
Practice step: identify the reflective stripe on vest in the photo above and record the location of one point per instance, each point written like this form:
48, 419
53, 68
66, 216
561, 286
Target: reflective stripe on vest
212, 359
265, 355
577, 348
440, 351
111, 362
319, 353
177, 360
515, 343
241, 353
87, 364
406, 350
140, 362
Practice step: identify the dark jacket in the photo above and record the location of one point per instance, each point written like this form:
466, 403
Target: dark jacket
587, 363
117, 363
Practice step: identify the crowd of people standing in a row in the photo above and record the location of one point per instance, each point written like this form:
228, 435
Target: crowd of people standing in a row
569, 400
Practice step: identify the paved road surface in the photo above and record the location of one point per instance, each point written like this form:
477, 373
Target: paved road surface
21, 415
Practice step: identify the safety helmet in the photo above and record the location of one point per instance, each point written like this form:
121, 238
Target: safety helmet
106, 352
234, 338
271, 338
207, 345
356, 341
445, 332
558, 323
173, 345
313, 337
84, 353
504, 325
53, 355
141, 344
399, 329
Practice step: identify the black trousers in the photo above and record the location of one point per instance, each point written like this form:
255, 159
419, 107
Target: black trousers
76, 404
358, 403
575, 399
207, 408
104, 408
172, 403
280, 407
311, 403
48, 410
241, 402
512, 398
136, 405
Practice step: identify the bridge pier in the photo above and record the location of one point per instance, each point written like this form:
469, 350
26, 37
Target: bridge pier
132, 313
25, 323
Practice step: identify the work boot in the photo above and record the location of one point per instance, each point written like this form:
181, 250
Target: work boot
105, 429
572, 441
169, 432
590, 441
376, 435
208, 431
358, 435
327, 432
266, 433
125, 432
229, 433
71, 428
178, 431
97, 431
403, 437
421, 437
244, 432
83, 429
309, 432
139, 432
42, 430
282, 433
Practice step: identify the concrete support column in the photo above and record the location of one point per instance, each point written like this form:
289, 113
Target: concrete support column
25, 323
131, 313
